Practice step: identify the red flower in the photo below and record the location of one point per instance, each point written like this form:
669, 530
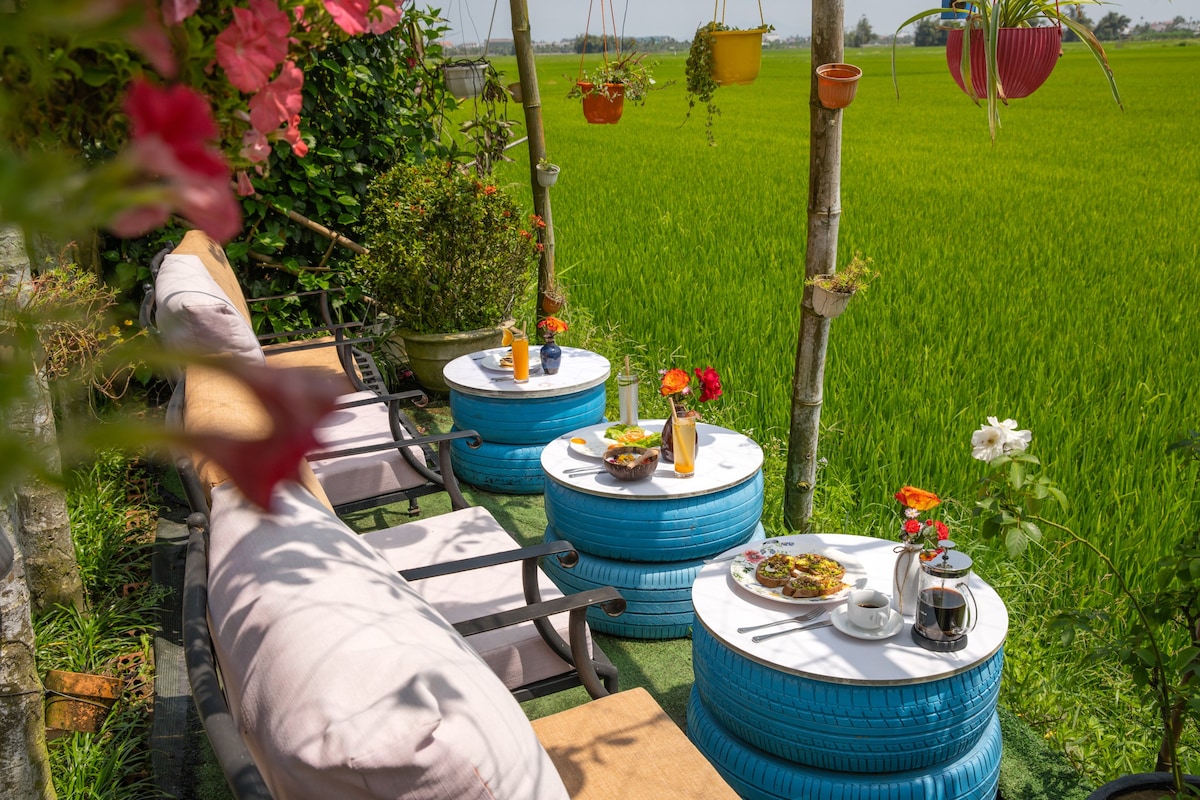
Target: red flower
912, 526
710, 384
943, 533
253, 44
490, 190
244, 187
537, 221
553, 324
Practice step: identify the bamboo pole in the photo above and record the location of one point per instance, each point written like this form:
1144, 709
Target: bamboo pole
824, 214
532, 103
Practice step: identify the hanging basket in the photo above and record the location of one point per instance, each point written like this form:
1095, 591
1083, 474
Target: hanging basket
736, 55
602, 108
1025, 57
829, 304
547, 175
79, 702
465, 79
837, 84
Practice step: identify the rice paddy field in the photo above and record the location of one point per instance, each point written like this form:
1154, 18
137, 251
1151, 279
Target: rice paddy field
1050, 277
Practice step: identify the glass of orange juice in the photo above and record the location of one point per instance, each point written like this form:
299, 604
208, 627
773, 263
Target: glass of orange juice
684, 446
520, 355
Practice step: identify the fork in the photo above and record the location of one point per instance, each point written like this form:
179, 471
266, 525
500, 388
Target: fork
805, 617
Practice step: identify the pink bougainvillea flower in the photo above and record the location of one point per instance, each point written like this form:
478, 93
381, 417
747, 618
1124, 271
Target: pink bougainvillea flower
384, 18
349, 15
292, 135
151, 40
295, 400
244, 187
253, 44
255, 147
710, 384
140, 220
279, 101
176, 11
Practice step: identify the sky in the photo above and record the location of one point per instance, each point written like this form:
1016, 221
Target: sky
551, 20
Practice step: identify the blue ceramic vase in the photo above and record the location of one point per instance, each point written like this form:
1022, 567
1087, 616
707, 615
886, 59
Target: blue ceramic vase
551, 356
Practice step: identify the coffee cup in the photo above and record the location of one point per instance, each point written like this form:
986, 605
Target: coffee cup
868, 609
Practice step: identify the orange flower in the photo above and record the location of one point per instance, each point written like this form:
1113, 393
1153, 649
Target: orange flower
921, 500
674, 381
490, 190
553, 325
537, 221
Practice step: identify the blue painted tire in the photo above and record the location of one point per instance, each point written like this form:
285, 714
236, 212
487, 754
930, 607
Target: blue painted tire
678, 529
873, 728
756, 775
658, 595
504, 468
531, 420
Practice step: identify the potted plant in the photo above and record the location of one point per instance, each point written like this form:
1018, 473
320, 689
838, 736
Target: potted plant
1011, 49
720, 56
832, 291
1154, 632
547, 173
449, 254
605, 89
465, 76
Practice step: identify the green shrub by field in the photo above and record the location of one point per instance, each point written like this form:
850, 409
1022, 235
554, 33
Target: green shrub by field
1050, 278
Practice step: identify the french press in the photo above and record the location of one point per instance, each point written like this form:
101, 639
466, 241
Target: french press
946, 609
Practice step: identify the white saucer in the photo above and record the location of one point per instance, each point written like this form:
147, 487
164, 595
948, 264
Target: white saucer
890, 628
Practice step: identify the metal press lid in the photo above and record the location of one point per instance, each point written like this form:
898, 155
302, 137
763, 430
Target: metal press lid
949, 563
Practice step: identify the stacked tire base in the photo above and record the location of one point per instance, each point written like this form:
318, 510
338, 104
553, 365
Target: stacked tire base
514, 435
658, 594
757, 775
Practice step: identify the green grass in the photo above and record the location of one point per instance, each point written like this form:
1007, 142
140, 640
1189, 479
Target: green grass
1049, 278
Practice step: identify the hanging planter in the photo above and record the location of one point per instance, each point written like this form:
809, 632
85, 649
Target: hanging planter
465, 78
837, 84
518, 94
831, 292
1025, 57
602, 106
547, 173
736, 55
78, 701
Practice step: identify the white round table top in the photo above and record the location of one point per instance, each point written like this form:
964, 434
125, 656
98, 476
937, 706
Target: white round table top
581, 369
724, 458
826, 654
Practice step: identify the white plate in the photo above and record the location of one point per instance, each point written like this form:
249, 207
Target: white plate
842, 622
492, 360
592, 446
743, 566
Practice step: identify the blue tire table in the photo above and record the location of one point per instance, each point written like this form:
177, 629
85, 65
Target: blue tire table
516, 420
820, 713
650, 538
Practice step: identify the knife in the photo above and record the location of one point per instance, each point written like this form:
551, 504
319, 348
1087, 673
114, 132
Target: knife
813, 626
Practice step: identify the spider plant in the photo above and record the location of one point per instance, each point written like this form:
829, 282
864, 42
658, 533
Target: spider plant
989, 16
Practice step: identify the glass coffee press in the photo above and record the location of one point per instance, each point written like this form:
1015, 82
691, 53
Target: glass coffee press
946, 609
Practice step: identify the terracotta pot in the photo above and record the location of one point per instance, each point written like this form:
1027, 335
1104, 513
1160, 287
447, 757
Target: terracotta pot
553, 303
837, 84
1025, 57
429, 353
1144, 786
736, 55
77, 701
602, 108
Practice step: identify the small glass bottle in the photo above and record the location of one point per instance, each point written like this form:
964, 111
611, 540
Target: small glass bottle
627, 394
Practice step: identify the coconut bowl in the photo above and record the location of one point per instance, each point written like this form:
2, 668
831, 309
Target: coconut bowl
620, 462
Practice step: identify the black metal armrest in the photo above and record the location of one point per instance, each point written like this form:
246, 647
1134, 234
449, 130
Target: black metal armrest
570, 559
416, 441
416, 395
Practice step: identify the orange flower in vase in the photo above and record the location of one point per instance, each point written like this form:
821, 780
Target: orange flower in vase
551, 354
675, 386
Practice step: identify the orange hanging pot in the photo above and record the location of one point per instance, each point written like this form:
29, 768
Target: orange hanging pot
1025, 57
602, 107
837, 84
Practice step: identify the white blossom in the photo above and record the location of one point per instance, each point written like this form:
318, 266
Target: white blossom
987, 443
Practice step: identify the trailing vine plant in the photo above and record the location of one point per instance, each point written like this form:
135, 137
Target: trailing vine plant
701, 86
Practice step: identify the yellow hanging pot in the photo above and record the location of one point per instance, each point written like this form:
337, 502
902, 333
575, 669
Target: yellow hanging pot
736, 55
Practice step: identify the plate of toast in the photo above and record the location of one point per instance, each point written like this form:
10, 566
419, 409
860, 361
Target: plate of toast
501, 360
777, 571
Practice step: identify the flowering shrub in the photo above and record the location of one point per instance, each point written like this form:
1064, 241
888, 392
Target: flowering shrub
448, 252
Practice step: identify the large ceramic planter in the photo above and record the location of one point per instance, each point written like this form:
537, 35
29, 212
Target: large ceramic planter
1025, 57
1145, 786
79, 702
602, 108
736, 55
837, 84
465, 79
428, 353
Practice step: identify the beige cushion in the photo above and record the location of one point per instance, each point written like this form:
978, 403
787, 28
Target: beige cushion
517, 653
212, 256
344, 682
195, 314
624, 747
349, 478
216, 402
321, 361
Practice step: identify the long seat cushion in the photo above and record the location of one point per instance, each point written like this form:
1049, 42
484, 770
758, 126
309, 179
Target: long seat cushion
350, 478
518, 654
321, 361
624, 747
344, 681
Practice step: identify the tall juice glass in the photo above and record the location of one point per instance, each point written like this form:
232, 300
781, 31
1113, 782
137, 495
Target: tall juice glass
520, 351
684, 446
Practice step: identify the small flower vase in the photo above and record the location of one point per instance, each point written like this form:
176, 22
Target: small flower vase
668, 436
551, 355
904, 578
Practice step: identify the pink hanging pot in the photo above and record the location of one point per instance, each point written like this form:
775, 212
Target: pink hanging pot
1025, 57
